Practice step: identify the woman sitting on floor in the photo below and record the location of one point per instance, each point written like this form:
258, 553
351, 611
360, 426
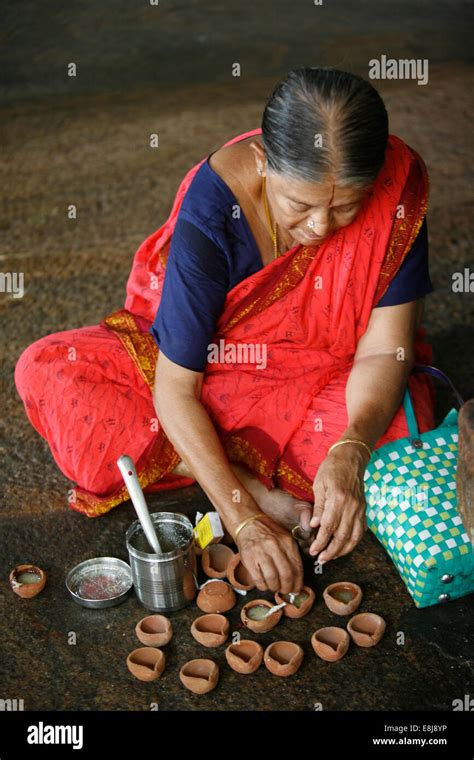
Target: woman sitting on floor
284, 293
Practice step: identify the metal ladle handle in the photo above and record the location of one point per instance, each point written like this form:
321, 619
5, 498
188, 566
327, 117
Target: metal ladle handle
129, 474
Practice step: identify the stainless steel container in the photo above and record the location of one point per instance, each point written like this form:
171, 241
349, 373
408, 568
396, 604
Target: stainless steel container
99, 582
166, 582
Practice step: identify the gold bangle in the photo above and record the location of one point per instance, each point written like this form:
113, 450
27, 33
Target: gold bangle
350, 440
258, 516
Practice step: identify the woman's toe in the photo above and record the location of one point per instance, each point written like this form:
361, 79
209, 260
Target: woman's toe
304, 513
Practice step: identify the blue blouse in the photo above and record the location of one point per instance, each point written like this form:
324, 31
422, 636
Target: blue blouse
212, 250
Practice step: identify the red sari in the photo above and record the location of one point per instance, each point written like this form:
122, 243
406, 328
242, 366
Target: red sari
308, 308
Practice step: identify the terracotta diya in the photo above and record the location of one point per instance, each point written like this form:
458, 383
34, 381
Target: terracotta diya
27, 580
215, 560
238, 575
366, 629
216, 596
330, 643
342, 598
199, 676
210, 630
245, 656
146, 663
297, 605
154, 630
283, 658
254, 616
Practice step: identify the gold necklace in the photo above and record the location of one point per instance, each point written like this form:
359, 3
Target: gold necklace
273, 229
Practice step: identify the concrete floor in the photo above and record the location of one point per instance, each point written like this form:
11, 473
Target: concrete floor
38, 663
88, 144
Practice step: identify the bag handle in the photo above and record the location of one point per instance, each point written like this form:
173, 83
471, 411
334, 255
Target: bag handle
413, 431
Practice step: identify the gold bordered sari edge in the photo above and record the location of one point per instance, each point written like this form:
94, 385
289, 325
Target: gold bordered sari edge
162, 460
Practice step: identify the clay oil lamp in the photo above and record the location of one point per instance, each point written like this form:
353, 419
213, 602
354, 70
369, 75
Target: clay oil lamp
330, 643
343, 598
210, 630
154, 630
245, 656
27, 580
366, 629
216, 596
146, 663
238, 575
297, 605
215, 560
199, 676
255, 617
283, 658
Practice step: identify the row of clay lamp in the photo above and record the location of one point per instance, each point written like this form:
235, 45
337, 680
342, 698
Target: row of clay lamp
282, 658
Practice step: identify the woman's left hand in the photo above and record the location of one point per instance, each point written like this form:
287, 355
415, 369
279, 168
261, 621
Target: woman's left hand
339, 503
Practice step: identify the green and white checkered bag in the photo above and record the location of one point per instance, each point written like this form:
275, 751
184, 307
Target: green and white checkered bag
410, 490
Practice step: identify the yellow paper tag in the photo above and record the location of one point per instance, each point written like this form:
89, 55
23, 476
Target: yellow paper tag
208, 530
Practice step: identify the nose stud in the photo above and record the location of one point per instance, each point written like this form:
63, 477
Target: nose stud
311, 224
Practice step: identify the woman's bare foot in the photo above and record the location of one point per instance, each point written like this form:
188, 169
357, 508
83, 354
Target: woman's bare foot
285, 509
182, 469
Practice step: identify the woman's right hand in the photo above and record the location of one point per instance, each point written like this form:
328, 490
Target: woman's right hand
271, 556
